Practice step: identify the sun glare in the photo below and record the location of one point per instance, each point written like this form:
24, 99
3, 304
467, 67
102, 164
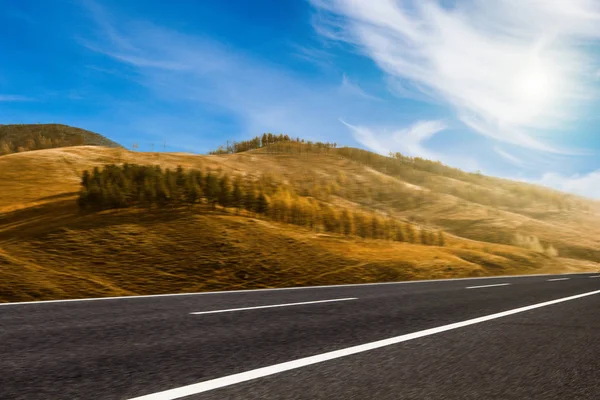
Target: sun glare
534, 87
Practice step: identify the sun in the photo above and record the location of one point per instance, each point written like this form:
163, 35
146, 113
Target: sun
533, 86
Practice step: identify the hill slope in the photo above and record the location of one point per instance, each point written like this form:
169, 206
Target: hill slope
26, 137
49, 249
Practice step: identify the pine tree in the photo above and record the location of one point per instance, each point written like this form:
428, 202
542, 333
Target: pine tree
346, 223
432, 238
399, 233
83, 199
115, 197
148, 193
411, 234
440, 238
237, 196
330, 221
170, 180
198, 178
262, 205
181, 184
193, 192
388, 229
95, 197
375, 227
85, 179
211, 189
29, 144
423, 237
162, 192
5, 147
224, 191
250, 200
97, 177
360, 225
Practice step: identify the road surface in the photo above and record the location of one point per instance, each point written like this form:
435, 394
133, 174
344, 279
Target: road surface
534, 337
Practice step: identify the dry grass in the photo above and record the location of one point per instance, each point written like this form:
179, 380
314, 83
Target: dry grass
65, 255
49, 250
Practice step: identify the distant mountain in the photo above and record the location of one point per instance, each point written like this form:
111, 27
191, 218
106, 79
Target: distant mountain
27, 137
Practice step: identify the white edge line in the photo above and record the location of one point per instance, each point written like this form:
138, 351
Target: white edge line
595, 276
278, 289
229, 380
273, 306
485, 286
557, 279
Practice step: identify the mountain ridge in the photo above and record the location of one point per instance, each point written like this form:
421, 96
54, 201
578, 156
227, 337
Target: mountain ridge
17, 138
488, 229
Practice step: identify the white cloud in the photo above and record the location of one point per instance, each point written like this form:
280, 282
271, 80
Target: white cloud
203, 78
351, 88
199, 74
509, 157
408, 141
412, 138
207, 78
367, 138
509, 68
13, 98
318, 57
582, 184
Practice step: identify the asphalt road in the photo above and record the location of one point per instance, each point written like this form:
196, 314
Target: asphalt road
535, 337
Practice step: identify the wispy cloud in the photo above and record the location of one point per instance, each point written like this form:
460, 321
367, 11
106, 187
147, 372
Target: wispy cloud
587, 185
211, 89
14, 98
508, 68
105, 26
368, 138
509, 157
207, 79
313, 55
409, 141
354, 89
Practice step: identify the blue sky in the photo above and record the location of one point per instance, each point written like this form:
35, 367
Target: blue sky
509, 88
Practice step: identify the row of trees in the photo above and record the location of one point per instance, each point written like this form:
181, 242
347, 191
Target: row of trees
532, 242
130, 185
38, 142
266, 140
285, 206
478, 188
133, 185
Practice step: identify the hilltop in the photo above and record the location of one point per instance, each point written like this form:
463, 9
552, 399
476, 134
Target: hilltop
49, 248
27, 137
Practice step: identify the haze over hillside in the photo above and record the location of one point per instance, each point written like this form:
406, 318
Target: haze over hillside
49, 248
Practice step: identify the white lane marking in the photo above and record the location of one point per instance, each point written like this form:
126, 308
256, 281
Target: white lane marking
595, 276
149, 296
557, 279
229, 380
484, 286
273, 306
